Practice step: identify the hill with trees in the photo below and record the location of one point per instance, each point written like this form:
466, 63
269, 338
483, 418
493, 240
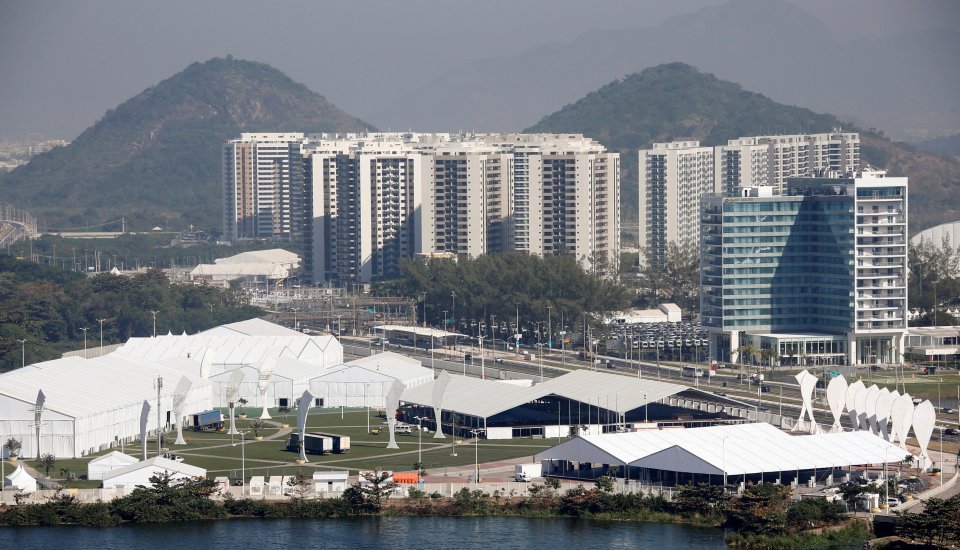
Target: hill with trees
155, 159
49, 307
676, 101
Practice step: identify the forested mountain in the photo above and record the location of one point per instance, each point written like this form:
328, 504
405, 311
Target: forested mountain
946, 145
48, 307
155, 159
676, 101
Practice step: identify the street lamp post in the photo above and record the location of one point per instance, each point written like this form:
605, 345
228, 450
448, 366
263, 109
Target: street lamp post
563, 353
476, 457
419, 447
23, 354
101, 334
549, 330
154, 323
84, 329
453, 296
243, 462
723, 446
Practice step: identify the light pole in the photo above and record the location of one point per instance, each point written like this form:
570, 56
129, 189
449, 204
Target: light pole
101, 334
723, 447
540, 361
154, 323
243, 462
23, 353
476, 457
419, 447
563, 353
549, 330
84, 329
453, 296
295, 317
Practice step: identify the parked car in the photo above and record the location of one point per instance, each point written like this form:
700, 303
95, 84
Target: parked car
951, 431
948, 410
893, 502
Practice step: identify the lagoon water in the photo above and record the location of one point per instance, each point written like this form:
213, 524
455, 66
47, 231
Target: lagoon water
491, 533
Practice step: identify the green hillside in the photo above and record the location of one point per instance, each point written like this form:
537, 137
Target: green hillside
156, 158
676, 101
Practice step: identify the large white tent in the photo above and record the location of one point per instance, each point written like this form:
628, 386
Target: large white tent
365, 382
738, 450
286, 380
90, 403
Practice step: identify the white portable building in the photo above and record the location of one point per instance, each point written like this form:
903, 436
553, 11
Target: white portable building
90, 404
365, 382
140, 473
102, 465
19, 480
330, 482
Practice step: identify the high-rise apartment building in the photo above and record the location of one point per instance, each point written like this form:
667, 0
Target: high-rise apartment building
816, 275
368, 200
772, 160
262, 186
673, 178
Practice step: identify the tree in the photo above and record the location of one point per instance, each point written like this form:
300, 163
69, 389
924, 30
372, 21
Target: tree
299, 485
47, 461
604, 484
760, 510
672, 277
699, 499
12, 445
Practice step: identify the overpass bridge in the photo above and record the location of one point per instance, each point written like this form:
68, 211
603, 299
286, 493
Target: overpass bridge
16, 224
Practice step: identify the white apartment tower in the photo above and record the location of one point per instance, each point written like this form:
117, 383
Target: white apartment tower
740, 163
371, 199
262, 186
673, 178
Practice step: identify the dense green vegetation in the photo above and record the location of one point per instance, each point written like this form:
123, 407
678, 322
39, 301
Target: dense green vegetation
49, 306
938, 524
156, 158
501, 284
676, 101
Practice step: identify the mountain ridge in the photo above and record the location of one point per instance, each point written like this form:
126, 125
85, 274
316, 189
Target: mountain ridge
676, 101
155, 158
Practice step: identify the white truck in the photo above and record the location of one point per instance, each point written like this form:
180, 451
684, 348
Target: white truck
528, 472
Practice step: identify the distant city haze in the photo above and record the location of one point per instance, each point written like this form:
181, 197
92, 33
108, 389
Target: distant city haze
438, 65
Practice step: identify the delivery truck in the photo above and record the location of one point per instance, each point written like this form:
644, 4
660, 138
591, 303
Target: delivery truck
528, 472
206, 420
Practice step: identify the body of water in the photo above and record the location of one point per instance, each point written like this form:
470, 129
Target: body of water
492, 533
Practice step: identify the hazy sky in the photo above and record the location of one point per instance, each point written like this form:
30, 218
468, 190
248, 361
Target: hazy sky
64, 63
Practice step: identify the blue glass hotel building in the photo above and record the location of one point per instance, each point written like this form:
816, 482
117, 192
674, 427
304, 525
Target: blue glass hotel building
814, 276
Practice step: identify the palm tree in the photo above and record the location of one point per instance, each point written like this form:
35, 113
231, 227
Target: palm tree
47, 461
12, 445
909, 459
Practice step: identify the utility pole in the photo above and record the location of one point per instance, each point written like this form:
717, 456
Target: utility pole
159, 438
23, 353
101, 335
453, 295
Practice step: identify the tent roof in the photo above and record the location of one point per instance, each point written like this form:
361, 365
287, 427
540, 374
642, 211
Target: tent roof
114, 457
252, 327
738, 449
391, 364
20, 479
79, 387
485, 398
158, 462
271, 256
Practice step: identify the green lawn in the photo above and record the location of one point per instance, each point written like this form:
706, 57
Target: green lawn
222, 455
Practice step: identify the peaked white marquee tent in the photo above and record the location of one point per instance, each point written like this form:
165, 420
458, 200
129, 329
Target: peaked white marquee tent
365, 382
102, 465
737, 450
140, 473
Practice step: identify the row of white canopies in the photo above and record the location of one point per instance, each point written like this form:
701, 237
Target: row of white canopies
888, 414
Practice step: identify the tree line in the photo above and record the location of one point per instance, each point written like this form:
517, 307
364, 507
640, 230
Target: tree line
49, 308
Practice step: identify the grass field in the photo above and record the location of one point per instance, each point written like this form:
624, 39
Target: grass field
222, 455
